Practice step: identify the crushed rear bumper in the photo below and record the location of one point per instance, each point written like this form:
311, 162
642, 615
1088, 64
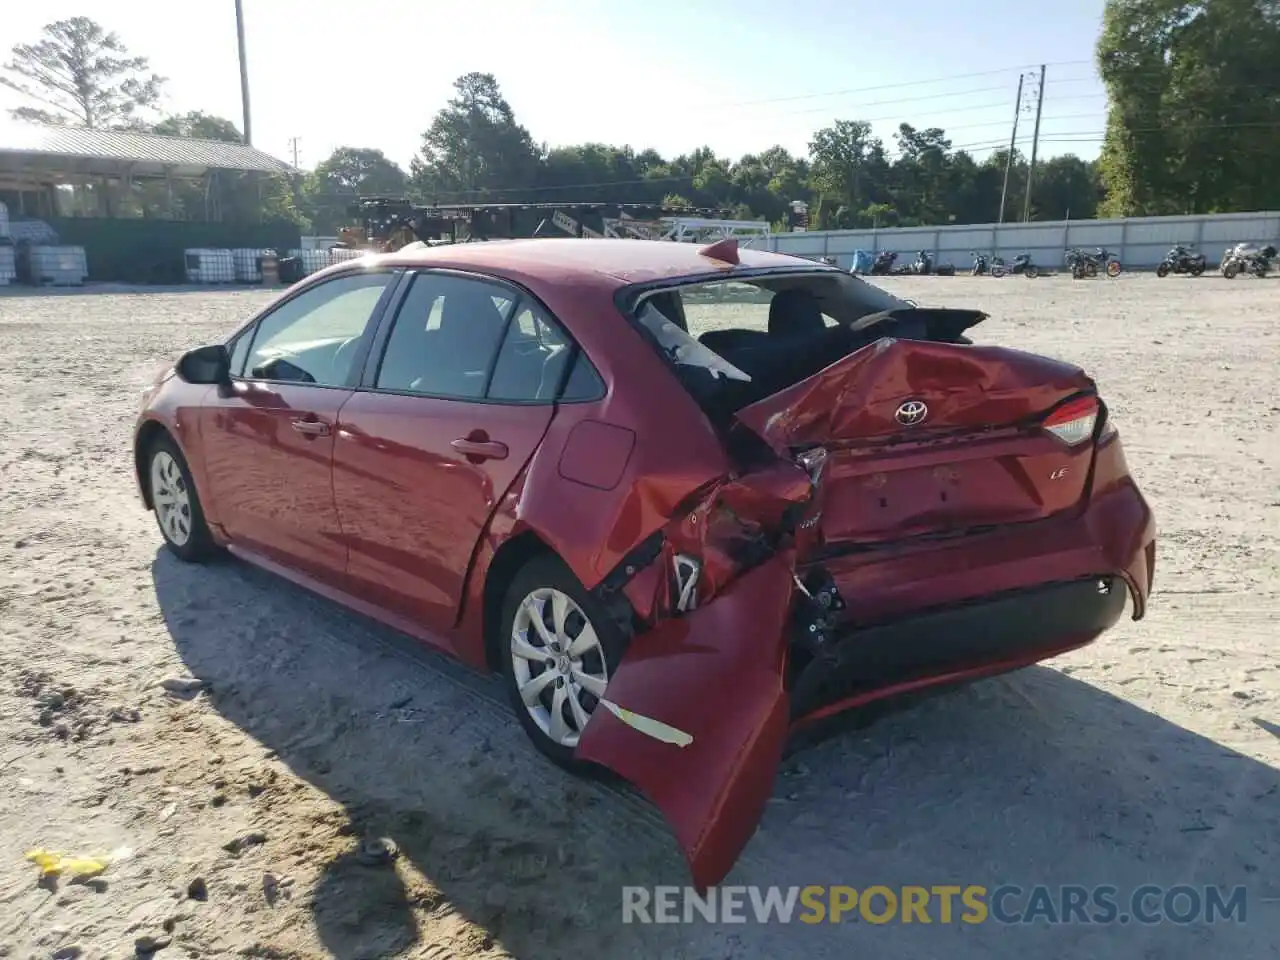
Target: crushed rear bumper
1005, 628
989, 603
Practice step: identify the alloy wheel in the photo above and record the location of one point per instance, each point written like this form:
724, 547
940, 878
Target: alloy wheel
171, 498
558, 664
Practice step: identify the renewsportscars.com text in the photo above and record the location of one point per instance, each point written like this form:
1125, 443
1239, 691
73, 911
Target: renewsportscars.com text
939, 903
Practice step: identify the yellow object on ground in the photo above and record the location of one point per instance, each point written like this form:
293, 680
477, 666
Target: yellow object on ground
51, 863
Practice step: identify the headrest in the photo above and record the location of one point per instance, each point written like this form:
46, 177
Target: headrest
795, 313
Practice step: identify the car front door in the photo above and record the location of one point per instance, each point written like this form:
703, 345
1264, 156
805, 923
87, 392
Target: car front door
454, 405
268, 439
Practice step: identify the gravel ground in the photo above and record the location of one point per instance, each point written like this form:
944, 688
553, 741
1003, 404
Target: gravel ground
238, 818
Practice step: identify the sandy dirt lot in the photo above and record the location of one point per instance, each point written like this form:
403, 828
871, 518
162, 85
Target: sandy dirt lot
238, 818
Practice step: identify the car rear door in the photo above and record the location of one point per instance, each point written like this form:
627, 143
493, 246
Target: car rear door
268, 439
458, 392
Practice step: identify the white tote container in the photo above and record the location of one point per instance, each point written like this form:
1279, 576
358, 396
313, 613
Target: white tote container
342, 254
245, 260
312, 260
57, 266
209, 266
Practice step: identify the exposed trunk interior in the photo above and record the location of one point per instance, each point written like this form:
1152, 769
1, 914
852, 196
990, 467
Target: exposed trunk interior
834, 394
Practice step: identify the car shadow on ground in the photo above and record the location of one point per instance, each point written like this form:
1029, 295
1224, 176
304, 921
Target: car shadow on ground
1035, 778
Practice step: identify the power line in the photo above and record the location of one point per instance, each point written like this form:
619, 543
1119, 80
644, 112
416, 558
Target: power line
874, 89
882, 103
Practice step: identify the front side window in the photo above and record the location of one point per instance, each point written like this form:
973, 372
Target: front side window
314, 337
445, 337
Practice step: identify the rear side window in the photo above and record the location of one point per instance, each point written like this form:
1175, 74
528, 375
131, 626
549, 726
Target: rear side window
445, 337
532, 361
584, 382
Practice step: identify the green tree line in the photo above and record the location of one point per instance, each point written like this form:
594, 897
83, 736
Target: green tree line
1193, 123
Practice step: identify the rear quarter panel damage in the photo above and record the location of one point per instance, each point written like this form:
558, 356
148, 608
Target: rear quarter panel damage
715, 676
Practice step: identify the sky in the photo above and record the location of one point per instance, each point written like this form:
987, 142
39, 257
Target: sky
735, 75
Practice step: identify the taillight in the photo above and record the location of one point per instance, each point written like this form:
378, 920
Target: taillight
1073, 422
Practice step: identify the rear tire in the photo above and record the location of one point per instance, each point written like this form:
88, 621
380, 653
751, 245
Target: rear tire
1230, 270
176, 503
1197, 270
563, 667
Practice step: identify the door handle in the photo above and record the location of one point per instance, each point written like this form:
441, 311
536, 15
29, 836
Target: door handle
311, 428
478, 450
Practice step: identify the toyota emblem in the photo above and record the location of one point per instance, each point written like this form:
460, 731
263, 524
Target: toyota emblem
911, 412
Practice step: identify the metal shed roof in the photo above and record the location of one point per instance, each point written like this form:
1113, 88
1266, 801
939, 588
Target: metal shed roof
146, 149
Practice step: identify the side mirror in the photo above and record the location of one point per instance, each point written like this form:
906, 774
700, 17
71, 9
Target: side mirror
205, 365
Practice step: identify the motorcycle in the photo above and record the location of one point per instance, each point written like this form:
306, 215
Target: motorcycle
923, 264
882, 266
1245, 258
1021, 265
979, 267
1181, 260
1109, 262
1087, 264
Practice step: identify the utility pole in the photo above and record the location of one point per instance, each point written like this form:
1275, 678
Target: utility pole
1035, 143
1013, 139
293, 145
244, 72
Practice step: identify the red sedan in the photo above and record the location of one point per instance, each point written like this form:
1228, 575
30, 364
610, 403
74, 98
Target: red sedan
675, 547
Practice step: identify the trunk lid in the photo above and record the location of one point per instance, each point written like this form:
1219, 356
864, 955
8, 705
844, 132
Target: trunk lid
921, 438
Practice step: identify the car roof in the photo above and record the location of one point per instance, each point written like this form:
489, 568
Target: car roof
557, 259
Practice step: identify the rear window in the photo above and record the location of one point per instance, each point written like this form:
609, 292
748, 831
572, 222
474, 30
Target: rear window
732, 342
682, 349
727, 305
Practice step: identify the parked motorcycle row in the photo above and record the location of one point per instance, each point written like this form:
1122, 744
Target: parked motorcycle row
1246, 258
996, 267
1088, 265
885, 265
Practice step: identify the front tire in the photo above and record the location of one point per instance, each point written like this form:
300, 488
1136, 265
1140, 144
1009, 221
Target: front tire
1032, 271
559, 650
176, 503
1113, 268
1230, 270
1162, 271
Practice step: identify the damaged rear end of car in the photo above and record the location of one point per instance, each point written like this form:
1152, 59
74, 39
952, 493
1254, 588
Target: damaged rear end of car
904, 509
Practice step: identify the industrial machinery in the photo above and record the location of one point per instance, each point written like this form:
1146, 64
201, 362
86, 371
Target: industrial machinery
387, 223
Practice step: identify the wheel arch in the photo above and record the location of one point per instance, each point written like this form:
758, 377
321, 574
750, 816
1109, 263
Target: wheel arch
148, 433
510, 557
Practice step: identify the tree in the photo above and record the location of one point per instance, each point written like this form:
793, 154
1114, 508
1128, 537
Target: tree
847, 162
920, 175
1065, 187
474, 148
201, 125
349, 173
84, 74
1194, 119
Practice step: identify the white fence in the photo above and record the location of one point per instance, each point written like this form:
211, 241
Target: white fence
1138, 242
